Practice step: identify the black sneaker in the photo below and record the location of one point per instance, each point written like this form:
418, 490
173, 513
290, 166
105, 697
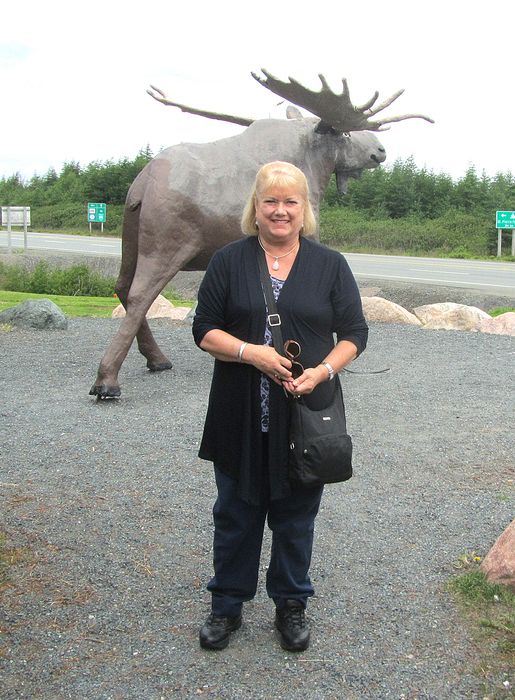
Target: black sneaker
292, 626
216, 630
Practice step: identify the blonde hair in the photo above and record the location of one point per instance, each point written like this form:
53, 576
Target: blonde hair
278, 174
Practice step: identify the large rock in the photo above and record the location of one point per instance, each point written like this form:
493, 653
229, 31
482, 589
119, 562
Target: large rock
379, 309
499, 564
504, 324
450, 316
161, 308
42, 314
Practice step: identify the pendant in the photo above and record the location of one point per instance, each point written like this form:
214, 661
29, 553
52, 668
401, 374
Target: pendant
275, 266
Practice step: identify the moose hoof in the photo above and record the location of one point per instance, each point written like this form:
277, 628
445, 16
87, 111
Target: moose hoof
159, 366
104, 391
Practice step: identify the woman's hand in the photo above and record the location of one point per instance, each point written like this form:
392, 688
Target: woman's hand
308, 380
343, 352
269, 362
226, 347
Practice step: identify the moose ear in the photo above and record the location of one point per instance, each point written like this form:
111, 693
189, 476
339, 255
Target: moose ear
324, 128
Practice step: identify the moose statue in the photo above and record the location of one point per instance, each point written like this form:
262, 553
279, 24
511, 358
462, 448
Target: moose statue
187, 202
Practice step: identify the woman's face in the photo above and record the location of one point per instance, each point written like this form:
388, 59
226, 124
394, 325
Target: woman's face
279, 215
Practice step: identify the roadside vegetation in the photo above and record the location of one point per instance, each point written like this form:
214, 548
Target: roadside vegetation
77, 290
489, 612
395, 209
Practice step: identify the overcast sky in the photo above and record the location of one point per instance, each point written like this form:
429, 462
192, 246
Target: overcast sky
74, 75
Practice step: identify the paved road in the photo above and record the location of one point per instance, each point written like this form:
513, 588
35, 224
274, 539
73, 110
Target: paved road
63, 243
495, 277
490, 277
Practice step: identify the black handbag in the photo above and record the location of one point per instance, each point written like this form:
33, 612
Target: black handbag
320, 447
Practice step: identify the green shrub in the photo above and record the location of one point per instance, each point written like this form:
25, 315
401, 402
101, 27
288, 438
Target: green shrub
78, 280
455, 234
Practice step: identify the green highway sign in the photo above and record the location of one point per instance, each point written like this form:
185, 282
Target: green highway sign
97, 212
505, 219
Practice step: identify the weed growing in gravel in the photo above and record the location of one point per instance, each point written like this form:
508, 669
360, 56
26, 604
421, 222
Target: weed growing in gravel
489, 610
8, 557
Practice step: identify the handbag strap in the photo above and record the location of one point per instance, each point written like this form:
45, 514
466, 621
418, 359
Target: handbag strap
273, 318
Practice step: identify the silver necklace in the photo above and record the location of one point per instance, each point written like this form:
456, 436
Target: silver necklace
275, 264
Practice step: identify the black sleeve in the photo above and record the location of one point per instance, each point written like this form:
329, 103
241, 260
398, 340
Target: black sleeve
350, 322
212, 294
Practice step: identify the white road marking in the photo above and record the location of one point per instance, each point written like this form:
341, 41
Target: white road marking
429, 279
442, 272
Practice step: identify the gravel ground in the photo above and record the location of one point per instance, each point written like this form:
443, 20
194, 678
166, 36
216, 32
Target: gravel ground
111, 511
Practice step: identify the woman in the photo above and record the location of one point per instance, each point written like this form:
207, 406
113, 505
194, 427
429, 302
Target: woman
246, 428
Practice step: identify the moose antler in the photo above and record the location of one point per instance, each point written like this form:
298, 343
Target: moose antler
336, 111
161, 97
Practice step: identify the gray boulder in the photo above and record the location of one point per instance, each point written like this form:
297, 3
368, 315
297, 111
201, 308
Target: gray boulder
42, 314
450, 316
161, 308
499, 564
384, 311
504, 324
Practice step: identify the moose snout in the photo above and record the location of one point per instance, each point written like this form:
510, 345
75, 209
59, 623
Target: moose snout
379, 156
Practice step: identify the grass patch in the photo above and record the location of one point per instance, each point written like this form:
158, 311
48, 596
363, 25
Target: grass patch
489, 611
97, 307
501, 310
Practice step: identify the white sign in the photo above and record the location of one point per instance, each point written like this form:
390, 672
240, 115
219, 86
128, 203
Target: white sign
16, 216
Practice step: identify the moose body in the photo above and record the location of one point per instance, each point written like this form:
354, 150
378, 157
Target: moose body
187, 203
195, 193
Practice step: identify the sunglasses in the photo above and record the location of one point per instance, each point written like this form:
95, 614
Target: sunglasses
292, 350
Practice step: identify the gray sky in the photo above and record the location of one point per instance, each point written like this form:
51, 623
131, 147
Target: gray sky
74, 75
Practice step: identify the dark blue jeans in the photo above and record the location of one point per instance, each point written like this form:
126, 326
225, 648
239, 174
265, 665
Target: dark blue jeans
237, 546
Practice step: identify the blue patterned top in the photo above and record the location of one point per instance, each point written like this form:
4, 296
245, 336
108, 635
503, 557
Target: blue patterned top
277, 285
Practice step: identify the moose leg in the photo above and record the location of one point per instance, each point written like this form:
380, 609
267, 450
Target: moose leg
147, 345
150, 278
130, 249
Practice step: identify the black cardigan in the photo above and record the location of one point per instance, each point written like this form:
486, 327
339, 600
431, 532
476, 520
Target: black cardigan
319, 298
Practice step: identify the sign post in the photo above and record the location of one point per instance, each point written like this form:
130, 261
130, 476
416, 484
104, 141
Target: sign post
97, 213
9, 242
15, 216
25, 229
505, 220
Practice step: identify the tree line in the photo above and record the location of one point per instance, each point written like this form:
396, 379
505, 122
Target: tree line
393, 191
395, 208
403, 190
106, 181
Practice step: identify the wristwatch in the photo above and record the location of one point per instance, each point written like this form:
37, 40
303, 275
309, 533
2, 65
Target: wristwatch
330, 369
